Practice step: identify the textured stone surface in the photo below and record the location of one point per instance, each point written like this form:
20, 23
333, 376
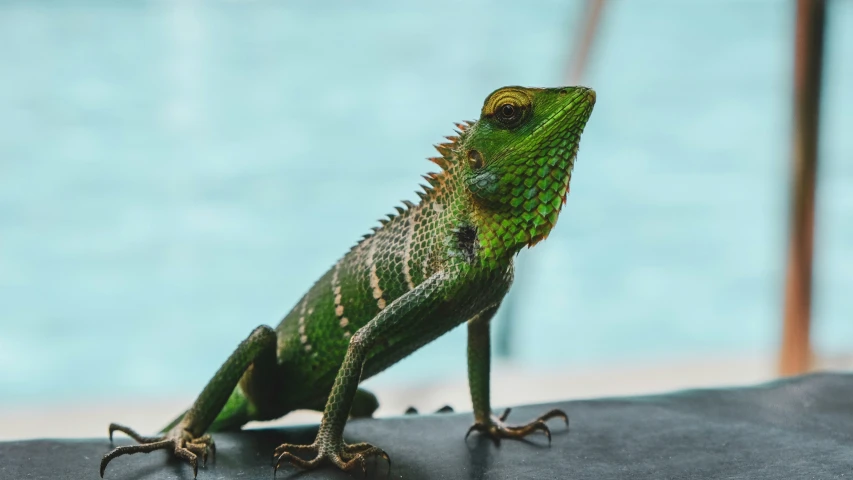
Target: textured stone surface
800, 428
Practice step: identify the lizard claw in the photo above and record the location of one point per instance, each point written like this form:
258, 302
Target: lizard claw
181, 442
346, 457
497, 429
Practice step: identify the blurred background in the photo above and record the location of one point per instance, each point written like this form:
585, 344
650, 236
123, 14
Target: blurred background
175, 173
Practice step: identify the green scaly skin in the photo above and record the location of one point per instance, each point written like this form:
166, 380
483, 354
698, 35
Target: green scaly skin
432, 266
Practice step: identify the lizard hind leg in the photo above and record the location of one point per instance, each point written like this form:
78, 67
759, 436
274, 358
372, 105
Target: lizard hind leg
217, 405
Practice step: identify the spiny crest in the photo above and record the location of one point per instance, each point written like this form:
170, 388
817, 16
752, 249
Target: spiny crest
445, 160
446, 149
464, 125
433, 179
440, 161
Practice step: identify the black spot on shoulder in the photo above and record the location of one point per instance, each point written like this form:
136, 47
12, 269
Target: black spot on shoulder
466, 242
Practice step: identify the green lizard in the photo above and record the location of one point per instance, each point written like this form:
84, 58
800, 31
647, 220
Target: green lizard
432, 266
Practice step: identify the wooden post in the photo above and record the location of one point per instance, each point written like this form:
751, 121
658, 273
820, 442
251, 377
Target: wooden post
586, 34
796, 354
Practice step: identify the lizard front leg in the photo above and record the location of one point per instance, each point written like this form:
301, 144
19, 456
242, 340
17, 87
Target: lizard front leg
187, 438
329, 446
479, 364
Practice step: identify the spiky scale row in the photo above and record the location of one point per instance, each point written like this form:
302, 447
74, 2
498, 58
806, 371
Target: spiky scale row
440, 161
433, 179
443, 149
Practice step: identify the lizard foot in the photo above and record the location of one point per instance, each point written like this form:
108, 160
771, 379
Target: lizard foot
183, 444
346, 457
497, 429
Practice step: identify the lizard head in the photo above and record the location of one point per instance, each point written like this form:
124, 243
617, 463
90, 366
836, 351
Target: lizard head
518, 160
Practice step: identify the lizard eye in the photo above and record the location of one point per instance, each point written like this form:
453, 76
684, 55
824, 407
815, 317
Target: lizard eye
508, 115
508, 107
475, 159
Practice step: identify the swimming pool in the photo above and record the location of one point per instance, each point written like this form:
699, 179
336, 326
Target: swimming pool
175, 173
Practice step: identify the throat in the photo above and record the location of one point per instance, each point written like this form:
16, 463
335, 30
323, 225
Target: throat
503, 234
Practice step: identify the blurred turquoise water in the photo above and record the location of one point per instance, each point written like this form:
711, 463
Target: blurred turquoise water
173, 174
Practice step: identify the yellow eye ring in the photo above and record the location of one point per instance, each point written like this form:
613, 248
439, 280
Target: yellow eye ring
508, 106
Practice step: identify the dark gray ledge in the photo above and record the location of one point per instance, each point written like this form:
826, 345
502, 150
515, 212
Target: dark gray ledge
800, 428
